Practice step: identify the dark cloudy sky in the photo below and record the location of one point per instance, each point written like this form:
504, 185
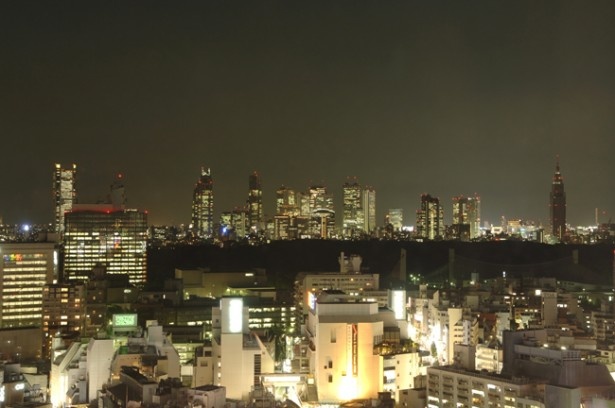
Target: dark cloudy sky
448, 98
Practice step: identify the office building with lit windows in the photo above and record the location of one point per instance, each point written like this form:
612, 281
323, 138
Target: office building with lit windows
430, 218
466, 217
369, 209
101, 234
557, 205
286, 202
64, 193
203, 205
455, 387
288, 223
395, 217
359, 209
63, 311
256, 217
25, 269
321, 212
353, 215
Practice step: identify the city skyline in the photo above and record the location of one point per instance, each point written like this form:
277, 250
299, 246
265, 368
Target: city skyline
411, 99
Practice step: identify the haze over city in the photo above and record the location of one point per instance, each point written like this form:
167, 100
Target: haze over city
410, 98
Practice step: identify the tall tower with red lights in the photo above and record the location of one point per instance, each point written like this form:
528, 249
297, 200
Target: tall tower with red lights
557, 204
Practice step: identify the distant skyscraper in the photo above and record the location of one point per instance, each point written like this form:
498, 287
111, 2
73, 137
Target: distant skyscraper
466, 216
369, 209
557, 204
256, 216
353, 216
322, 212
359, 204
101, 234
395, 217
286, 202
430, 218
240, 222
64, 193
203, 205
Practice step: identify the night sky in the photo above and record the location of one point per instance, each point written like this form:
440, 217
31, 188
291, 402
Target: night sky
446, 98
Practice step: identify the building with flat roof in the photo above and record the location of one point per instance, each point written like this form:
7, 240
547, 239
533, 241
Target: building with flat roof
102, 234
240, 356
64, 192
25, 269
203, 205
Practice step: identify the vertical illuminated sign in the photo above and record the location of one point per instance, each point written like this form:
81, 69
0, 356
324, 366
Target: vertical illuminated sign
311, 300
355, 349
235, 315
398, 304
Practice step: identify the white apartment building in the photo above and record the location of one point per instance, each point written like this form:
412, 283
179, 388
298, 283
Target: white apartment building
239, 356
351, 355
81, 371
448, 386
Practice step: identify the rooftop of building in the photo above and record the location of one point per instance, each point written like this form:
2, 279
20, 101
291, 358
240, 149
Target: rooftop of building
519, 380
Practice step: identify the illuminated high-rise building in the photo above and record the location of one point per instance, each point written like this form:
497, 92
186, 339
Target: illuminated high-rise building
430, 218
557, 204
25, 269
203, 205
359, 206
240, 222
256, 216
322, 213
395, 217
63, 311
64, 193
466, 217
288, 214
101, 234
369, 209
353, 216
286, 202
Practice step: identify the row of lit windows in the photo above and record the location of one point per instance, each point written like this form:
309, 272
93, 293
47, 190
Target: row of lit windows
8, 304
63, 317
22, 316
12, 285
21, 289
24, 269
20, 310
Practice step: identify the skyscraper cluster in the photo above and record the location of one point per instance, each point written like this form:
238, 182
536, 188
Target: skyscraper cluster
304, 214
298, 214
311, 213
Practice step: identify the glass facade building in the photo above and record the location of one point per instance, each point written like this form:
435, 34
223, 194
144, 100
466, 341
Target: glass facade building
64, 193
25, 269
203, 205
430, 218
104, 235
466, 216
